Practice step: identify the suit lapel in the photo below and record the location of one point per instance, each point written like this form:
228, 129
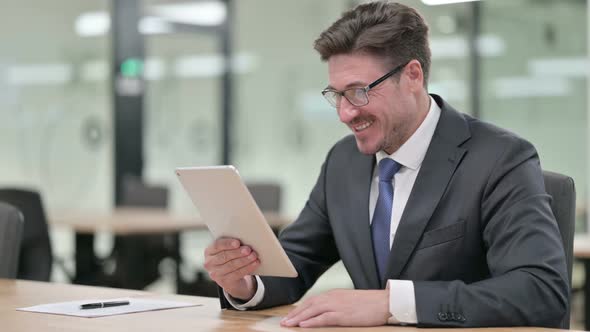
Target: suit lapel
439, 164
359, 218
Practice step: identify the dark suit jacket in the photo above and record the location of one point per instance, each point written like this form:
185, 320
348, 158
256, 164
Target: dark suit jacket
477, 236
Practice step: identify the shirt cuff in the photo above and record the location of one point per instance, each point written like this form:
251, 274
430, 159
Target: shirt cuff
402, 302
254, 301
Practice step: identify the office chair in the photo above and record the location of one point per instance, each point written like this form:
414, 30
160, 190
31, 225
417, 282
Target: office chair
139, 194
11, 231
563, 191
267, 195
137, 257
36, 258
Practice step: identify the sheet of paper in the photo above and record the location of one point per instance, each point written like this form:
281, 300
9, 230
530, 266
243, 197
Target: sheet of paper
135, 305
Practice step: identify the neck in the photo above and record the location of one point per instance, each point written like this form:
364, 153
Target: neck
423, 103
422, 107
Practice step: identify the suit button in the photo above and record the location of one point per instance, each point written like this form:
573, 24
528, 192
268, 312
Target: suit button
442, 316
458, 317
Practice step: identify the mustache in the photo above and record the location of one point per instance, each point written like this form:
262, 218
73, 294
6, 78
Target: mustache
361, 119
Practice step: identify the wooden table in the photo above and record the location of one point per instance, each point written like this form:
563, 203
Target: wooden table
130, 221
130, 225
206, 318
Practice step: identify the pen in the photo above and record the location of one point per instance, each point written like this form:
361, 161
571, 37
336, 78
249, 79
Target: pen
98, 305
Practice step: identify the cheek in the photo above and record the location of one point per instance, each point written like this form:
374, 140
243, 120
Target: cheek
391, 120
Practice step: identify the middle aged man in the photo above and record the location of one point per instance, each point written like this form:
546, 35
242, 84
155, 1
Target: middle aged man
439, 218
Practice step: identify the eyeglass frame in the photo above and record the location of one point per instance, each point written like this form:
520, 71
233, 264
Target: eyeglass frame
365, 89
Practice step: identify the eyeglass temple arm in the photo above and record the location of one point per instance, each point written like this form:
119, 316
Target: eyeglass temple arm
384, 77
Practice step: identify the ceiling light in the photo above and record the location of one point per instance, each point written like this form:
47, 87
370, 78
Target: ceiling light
212, 65
207, 13
92, 24
525, 87
457, 46
575, 67
39, 74
151, 25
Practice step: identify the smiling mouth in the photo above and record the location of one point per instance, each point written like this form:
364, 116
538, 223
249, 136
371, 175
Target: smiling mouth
362, 126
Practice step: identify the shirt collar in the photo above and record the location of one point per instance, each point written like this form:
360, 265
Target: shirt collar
412, 152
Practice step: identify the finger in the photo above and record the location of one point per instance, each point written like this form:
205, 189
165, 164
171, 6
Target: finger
240, 273
235, 265
325, 319
307, 313
213, 262
300, 307
222, 244
229, 255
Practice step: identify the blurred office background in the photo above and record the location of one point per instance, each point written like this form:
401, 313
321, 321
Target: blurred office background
521, 64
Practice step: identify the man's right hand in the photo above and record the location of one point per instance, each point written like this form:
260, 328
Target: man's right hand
231, 266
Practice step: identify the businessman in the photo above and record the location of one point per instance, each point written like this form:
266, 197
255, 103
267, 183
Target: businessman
439, 218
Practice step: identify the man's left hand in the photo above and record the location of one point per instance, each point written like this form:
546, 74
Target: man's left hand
341, 307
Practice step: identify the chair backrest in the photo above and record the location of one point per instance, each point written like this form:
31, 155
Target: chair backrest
266, 195
138, 193
35, 259
11, 231
563, 191
142, 253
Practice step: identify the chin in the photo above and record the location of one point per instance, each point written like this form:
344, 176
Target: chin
366, 148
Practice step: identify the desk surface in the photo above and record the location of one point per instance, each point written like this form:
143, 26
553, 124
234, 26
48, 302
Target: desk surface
138, 221
209, 317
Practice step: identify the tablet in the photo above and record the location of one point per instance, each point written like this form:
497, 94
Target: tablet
228, 209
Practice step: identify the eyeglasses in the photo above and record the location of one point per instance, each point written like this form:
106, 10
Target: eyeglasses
357, 96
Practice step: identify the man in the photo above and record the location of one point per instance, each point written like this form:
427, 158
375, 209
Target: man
439, 218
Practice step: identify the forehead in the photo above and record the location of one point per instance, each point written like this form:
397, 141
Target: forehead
345, 70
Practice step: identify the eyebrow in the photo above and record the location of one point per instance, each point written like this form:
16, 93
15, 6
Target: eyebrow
355, 84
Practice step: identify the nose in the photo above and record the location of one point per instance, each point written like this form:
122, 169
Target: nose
347, 111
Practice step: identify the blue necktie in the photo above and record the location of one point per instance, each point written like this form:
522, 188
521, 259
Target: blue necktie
381, 225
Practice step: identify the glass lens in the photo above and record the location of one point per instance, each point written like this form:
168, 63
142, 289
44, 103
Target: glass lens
332, 97
357, 96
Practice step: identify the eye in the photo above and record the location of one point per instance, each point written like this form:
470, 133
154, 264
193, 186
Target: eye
359, 93
357, 96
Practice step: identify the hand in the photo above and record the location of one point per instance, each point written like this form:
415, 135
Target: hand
231, 266
341, 307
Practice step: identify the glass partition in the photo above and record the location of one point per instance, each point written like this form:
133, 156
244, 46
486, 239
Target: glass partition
537, 85
55, 104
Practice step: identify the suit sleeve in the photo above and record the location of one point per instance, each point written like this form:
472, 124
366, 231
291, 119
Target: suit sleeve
528, 277
309, 244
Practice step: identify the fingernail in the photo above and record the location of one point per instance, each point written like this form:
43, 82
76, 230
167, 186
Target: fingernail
245, 251
235, 244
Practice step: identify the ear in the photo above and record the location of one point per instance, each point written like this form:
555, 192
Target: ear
414, 75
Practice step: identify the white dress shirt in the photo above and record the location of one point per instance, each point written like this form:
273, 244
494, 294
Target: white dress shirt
402, 301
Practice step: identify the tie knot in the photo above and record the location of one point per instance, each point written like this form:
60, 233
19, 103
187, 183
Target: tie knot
387, 169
